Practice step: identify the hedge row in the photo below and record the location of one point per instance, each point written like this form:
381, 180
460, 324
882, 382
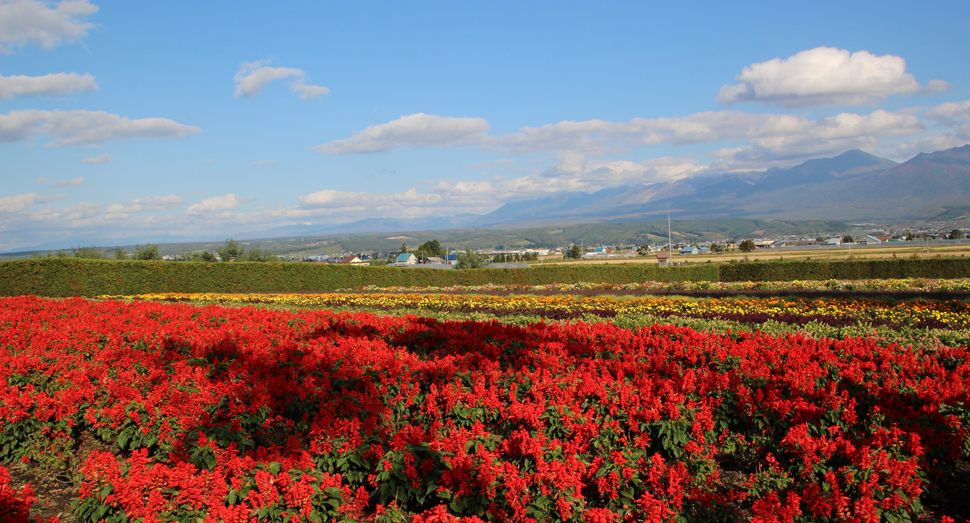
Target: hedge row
77, 277
934, 268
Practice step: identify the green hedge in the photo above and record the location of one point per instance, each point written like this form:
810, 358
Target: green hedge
935, 268
78, 277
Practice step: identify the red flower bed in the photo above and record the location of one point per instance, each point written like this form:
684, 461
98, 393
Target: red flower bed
219, 414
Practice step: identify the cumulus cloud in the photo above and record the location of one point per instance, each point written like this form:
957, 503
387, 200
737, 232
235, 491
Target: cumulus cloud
22, 202
308, 92
86, 127
253, 77
825, 76
218, 203
157, 203
101, 158
929, 144
491, 164
826, 136
775, 133
411, 131
73, 182
32, 21
331, 199
48, 85
951, 112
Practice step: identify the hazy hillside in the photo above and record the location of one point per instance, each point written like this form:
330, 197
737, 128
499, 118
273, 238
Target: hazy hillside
853, 185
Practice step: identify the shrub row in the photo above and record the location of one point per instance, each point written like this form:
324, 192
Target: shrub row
77, 277
934, 268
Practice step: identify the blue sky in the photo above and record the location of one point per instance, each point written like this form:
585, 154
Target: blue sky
146, 121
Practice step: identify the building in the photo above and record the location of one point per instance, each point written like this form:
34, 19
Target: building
406, 258
352, 260
663, 259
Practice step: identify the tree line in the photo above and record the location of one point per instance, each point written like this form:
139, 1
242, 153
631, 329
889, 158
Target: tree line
231, 251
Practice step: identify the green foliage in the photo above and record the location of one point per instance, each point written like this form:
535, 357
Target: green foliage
88, 253
120, 254
746, 246
575, 253
945, 268
232, 251
204, 256
430, 248
848, 239
471, 260
76, 277
955, 234
80, 277
148, 251
260, 255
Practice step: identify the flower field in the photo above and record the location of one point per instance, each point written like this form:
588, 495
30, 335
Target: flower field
171, 412
906, 284
947, 314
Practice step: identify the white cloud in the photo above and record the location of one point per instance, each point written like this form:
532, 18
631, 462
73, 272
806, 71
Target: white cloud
951, 112
32, 21
86, 127
42, 181
491, 164
21, 202
308, 92
81, 211
264, 162
827, 136
101, 158
218, 203
253, 77
331, 199
825, 76
48, 85
157, 203
929, 144
411, 131
73, 182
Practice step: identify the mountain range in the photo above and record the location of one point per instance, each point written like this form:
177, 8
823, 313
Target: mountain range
854, 185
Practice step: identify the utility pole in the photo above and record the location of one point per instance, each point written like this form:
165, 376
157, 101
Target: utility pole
670, 248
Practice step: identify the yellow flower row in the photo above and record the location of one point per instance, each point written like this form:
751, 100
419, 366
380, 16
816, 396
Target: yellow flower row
942, 314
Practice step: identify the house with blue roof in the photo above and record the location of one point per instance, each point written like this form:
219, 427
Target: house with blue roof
406, 258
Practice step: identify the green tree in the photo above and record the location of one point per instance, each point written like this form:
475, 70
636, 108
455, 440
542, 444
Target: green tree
88, 253
231, 251
471, 260
747, 246
148, 251
120, 254
717, 248
204, 256
431, 248
848, 239
576, 252
955, 234
260, 255
910, 236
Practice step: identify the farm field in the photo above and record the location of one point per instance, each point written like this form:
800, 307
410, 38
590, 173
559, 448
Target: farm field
843, 252
420, 406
